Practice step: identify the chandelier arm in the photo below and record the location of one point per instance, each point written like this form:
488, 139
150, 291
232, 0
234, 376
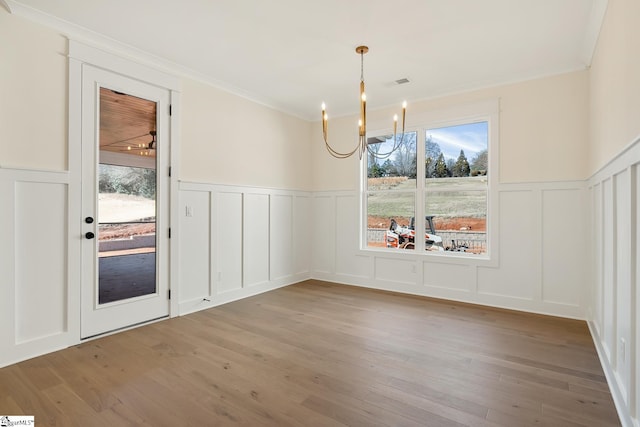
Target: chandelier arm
396, 145
382, 156
339, 154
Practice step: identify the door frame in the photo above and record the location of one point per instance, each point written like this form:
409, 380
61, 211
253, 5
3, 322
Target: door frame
98, 318
79, 55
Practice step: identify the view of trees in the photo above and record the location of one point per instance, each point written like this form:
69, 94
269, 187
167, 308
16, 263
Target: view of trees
127, 180
404, 162
461, 166
480, 164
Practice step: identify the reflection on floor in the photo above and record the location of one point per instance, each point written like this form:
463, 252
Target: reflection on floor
127, 276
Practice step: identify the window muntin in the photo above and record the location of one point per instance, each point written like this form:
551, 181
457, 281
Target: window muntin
450, 203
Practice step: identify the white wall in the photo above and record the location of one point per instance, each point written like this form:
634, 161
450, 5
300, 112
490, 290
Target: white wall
37, 301
615, 203
542, 246
240, 241
613, 319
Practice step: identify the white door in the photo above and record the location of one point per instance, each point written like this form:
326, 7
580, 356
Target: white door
125, 202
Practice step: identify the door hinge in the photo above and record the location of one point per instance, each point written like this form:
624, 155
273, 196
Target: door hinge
169, 232
169, 293
170, 109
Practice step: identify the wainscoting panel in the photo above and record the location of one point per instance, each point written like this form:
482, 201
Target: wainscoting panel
194, 242
459, 277
256, 239
243, 243
596, 308
608, 265
518, 246
347, 233
40, 260
623, 278
532, 217
35, 290
228, 241
396, 271
634, 344
281, 248
302, 235
565, 246
615, 301
323, 226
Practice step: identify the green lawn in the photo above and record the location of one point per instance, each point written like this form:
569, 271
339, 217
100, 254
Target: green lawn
446, 197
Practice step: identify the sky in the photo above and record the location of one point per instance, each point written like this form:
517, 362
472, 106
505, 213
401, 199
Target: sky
472, 138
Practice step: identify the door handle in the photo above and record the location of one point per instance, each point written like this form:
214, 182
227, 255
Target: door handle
88, 220
89, 235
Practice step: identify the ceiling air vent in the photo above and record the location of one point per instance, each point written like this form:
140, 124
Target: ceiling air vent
402, 81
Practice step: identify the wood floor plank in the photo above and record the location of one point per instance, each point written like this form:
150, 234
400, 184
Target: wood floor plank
323, 354
596, 383
75, 409
10, 406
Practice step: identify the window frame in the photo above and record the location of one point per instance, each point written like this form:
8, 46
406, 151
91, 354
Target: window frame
421, 122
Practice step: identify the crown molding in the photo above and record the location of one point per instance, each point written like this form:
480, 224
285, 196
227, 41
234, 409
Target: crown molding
94, 39
97, 40
596, 19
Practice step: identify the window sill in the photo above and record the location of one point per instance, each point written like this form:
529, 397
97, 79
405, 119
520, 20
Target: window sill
447, 257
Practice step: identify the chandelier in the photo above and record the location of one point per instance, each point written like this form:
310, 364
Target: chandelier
362, 144
145, 149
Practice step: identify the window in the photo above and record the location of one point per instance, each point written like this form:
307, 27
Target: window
391, 189
436, 181
456, 186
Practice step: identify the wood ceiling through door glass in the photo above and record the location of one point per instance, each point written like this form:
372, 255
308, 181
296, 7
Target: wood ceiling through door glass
126, 122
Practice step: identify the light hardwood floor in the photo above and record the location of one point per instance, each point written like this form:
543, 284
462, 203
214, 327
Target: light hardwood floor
321, 354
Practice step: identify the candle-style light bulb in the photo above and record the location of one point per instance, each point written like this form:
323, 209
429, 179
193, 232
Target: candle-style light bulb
324, 107
404, 112
364, 97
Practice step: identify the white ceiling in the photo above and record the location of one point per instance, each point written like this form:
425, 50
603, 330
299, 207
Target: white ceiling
294, 54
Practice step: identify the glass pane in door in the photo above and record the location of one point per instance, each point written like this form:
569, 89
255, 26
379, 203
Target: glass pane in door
127, 185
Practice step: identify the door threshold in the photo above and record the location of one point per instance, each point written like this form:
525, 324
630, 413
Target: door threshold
124, 328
